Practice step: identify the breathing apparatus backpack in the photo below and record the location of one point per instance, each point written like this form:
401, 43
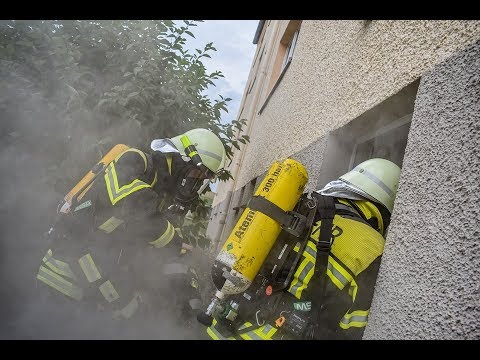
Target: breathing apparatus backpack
71, 201
269, 213
264, 287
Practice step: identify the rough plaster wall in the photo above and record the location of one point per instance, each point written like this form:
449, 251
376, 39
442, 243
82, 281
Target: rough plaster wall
312, 158
429, 281
339, 70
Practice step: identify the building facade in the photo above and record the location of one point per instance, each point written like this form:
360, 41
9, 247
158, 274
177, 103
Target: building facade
332, 94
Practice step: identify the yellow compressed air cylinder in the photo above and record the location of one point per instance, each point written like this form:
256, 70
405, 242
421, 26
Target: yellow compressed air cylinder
254, 234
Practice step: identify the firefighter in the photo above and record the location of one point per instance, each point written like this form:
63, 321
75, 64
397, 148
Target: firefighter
103, 254
331, 286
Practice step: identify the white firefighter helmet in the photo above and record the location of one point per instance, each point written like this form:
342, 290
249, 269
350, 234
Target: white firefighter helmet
377, 178
208, 145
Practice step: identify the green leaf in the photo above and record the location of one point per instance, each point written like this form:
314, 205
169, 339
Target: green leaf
189, 33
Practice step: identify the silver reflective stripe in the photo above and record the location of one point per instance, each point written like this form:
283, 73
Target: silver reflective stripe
210, 154
310, 251
175, 268
89, 268
337, 274
251, 334
58, 266
108, 291
375, 180
350, 320
111, 224
83, 205
267, 328
214, 334
195, 304
58, 283
309, 266
130, 308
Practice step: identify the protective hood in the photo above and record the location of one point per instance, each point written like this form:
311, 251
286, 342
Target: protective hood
164, 146
341, 189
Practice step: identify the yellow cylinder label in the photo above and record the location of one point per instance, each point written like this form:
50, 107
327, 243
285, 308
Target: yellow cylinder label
255, 233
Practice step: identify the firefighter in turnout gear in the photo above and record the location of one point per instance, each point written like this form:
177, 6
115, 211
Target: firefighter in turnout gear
330, 274
103, 252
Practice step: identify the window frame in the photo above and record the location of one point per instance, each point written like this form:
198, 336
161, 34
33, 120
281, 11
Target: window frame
285, 64
395, 124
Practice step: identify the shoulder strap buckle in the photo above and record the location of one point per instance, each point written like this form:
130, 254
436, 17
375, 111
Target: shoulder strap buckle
291, 221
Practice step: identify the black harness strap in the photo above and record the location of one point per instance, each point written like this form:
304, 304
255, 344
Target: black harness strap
325, 213
291, 221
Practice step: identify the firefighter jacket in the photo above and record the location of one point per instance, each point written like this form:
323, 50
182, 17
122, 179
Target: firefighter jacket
342, 310
93, 251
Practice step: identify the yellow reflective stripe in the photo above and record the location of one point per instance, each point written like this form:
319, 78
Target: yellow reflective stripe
58, 283
192, 154
251, 335
89, 268
297, 247
305, 271
339, 276
111, 224
58, 266
108, 291
302, 276
169, 163
246, 335
154, 180
266, 332
141, 153
114, 192
214, 334
130, 309
352, 291
357, 318
165, 238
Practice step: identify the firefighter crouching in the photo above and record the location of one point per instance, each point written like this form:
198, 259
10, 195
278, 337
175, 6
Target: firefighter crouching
318, 285
103, 254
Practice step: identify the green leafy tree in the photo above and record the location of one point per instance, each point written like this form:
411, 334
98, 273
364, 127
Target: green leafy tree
79, 87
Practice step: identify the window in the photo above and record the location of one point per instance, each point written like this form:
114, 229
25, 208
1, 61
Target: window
386, 143
379, 132
290, 50
283, 57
